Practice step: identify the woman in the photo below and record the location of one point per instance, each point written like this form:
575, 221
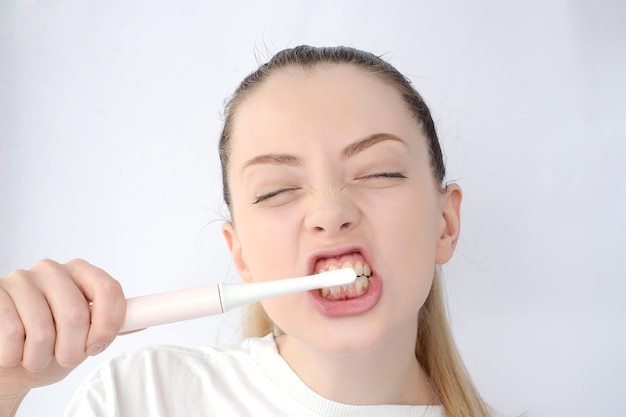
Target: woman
330, 158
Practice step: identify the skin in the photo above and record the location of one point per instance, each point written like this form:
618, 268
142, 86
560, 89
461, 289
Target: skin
307, 153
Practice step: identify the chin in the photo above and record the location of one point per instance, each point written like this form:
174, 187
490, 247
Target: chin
351, 337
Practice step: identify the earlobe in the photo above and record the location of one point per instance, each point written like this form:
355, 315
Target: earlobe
236, 251
450, 224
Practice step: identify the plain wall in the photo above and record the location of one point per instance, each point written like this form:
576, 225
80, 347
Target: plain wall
110, 114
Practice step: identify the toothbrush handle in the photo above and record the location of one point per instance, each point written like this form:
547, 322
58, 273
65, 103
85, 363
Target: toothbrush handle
172, 306
193, 303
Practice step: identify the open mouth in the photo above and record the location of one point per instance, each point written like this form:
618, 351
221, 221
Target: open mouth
356, 289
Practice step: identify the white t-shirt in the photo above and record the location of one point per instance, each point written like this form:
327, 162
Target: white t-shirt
251, 379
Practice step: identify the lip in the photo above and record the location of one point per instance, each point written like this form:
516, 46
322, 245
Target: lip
344, 308
352, 307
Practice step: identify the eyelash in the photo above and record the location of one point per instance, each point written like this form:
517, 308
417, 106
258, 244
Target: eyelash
272, 194
267, 196
385, 175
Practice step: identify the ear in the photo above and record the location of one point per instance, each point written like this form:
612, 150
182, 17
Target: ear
450, 224
232, 240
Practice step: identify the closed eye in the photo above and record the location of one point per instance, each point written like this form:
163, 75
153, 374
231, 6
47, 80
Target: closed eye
267, 196
384, 175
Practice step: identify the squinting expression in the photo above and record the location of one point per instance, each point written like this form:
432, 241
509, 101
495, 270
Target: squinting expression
328, 167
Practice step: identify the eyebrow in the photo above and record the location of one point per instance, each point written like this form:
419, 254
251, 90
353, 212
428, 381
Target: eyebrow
274, 159
368, 142
347, 152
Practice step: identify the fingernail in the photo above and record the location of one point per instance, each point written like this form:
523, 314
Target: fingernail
95, 348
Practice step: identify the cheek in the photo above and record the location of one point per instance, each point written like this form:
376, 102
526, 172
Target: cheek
406, 236
265, 247
411, 220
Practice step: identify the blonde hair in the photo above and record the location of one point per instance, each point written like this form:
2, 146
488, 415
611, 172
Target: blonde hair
435, 348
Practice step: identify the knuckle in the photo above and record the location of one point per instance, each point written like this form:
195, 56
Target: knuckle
74, 316
45, 265
77, 263
110, 288
42, 335
17, 276
11, 332
16, 273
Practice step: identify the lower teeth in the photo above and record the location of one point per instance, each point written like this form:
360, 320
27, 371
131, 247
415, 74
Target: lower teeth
354, 290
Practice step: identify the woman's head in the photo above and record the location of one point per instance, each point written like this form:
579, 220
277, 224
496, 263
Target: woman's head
322, 140
328, 167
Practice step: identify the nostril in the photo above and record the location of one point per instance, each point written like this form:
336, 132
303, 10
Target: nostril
331, 218
344, 226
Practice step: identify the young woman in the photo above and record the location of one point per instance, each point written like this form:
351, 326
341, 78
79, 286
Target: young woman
330, 158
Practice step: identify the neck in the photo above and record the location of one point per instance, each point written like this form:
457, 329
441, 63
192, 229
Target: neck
386, 374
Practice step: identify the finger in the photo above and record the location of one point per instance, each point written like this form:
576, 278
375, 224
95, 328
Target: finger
109, 305
70, 310
11, 333
36, 318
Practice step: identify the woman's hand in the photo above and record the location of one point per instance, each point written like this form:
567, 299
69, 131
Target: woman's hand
47, 326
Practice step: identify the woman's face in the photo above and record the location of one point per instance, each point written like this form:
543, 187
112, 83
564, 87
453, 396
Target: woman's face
329, 169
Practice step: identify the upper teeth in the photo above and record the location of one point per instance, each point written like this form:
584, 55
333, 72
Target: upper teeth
360, 268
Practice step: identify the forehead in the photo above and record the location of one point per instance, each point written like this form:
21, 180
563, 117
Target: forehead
302, 106
324, 81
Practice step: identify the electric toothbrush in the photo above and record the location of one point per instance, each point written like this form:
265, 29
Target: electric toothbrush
192, 303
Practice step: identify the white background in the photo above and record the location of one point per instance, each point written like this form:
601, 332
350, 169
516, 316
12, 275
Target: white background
110, 115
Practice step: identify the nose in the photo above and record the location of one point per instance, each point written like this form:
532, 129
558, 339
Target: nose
331, 213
